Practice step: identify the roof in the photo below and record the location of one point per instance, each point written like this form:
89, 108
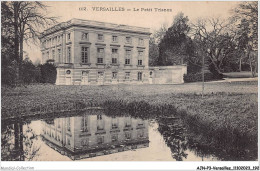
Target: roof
96, 24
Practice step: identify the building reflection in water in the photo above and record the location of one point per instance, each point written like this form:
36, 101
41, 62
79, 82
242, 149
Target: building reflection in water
94, 135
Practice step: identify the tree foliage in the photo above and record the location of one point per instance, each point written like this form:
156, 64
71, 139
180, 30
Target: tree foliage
175, 46
22, 21
246, 14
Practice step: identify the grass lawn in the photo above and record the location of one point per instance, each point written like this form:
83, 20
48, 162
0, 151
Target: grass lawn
233, 104
242, 74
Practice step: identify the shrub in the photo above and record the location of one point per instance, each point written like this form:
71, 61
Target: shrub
194, 77
8, 75
48, 73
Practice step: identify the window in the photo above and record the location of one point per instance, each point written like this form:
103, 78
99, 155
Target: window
100, 37
100, 60
114, 60
114, 39
128, 40
140, 62
84, 142
114, 56
99, 117
84, 36
68, 141
114, 138
84, 124
84, 54
68, 36
140, 134
141, 41
53, 54
58, 39
48, 55
114, 123
139, 76
58, 123
100, 55
127, 75
140, 57
127, 57
68, 124
69, 55
114, 75
100, 139
128, 135
59, 55
127, 61
100, 75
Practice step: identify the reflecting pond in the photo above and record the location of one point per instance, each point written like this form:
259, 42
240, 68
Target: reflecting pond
98, 137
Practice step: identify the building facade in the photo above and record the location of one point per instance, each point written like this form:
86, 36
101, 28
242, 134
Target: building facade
94, 135
89, 52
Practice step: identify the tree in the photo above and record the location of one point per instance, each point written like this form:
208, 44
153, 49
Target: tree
160, 33
214, 41
153, 52
25, 18
28, 72
48, 73
247, 14
174, 47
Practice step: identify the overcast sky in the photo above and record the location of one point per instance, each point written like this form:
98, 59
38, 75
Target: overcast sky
149, 18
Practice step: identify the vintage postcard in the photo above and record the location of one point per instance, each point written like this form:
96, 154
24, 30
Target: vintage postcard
129, 81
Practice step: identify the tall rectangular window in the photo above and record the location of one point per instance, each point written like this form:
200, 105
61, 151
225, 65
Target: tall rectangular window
84, 36
140, 62
100, 37
53, 54
100, 52
128, 40
114, 39
139, 76
127, 57
68, 124
69, 55
114, 56
58, 40
128, 135
84, 54
68, 36
127, 75
114, 75
140, 57
59, 55
114, 137
84, 124
140, 41
100, 139
100, 121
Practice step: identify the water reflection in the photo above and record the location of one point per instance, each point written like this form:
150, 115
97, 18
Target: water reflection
94, 135
172, 131
18, 142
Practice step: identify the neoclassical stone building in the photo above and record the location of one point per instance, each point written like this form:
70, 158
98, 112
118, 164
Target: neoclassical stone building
90, 52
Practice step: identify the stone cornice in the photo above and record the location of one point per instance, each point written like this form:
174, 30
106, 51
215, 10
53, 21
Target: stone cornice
96, 25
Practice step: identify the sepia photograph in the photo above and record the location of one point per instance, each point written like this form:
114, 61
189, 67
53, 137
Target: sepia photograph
129, 81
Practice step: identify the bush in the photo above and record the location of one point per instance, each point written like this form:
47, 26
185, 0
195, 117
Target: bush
48, 73
28, 72
8, 75
195, 77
